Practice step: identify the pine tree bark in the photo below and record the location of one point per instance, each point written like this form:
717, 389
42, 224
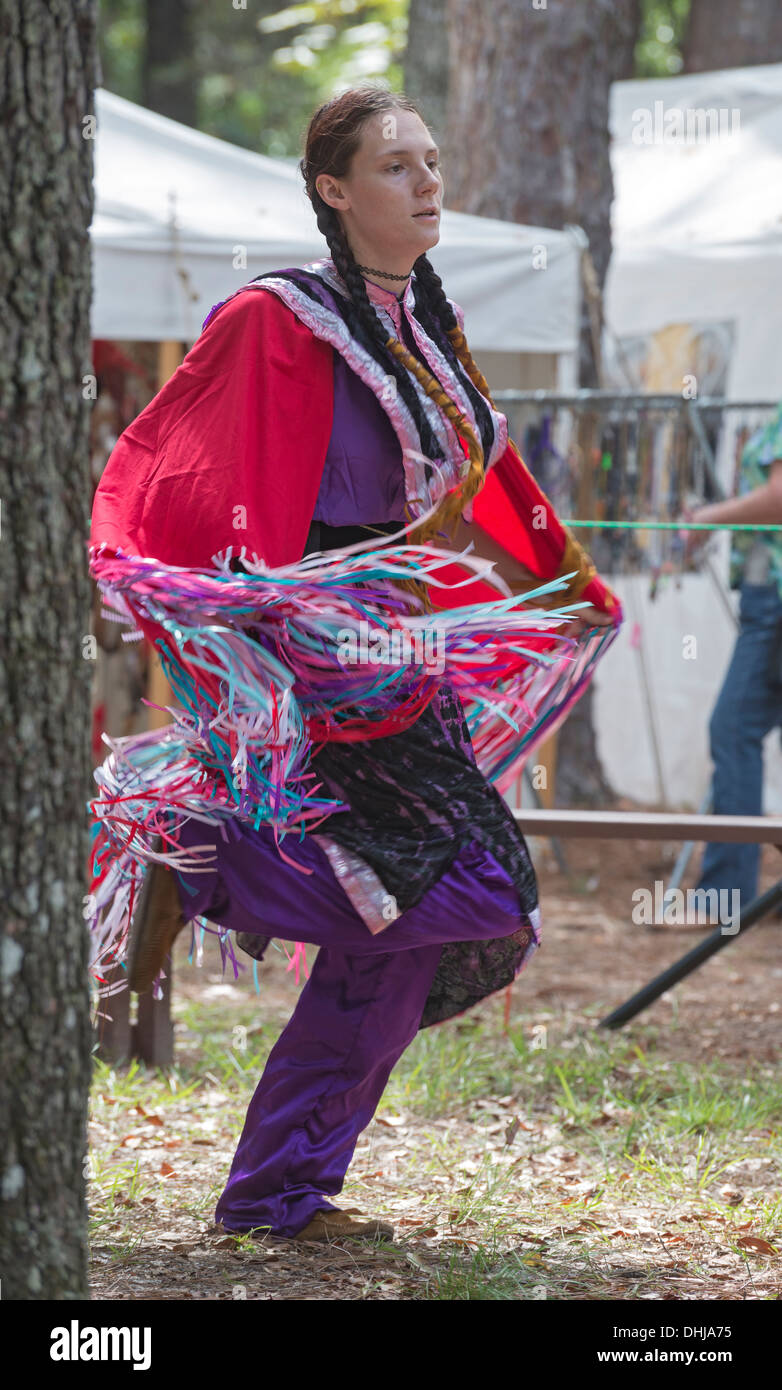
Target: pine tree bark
49, 75
527, 124
426, 62
732, 34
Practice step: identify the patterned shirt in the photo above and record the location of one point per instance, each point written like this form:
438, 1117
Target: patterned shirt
758, 454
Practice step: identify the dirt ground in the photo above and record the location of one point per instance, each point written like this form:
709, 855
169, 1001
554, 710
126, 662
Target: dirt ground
592, 958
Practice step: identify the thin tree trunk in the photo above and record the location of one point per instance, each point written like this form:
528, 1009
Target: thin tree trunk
169, 81
49, 75
732, 34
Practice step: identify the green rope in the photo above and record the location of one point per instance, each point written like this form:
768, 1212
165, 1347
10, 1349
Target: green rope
678, 525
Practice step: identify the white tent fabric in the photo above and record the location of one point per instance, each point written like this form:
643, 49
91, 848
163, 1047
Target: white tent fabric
182, 219
697, 223
676, 706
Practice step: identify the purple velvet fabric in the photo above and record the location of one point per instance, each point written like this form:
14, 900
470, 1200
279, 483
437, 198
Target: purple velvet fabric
252, 889
358, 1011
322, 1084
363, 478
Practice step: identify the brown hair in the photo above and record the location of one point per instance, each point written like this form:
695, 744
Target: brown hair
333, 137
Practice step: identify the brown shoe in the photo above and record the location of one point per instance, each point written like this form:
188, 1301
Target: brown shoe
334, 1225
157, 921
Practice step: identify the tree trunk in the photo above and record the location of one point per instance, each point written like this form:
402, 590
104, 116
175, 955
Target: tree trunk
46, 189
537, 152
426, 62
169, 79
732, 34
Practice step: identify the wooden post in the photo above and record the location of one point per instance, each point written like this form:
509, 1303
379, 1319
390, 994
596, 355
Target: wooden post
152, 1037
547, 759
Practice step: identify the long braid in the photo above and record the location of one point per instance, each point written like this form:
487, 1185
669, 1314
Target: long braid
454, 503
403, 360
574, 556
437, 301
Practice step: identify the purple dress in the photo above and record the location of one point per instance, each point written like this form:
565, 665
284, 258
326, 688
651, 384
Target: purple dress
420, 812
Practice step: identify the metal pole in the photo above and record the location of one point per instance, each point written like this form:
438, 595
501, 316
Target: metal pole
714, 942
651, 722
634, 400
687, 848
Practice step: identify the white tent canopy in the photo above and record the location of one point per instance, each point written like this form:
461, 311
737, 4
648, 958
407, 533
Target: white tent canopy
182, 219
697, 222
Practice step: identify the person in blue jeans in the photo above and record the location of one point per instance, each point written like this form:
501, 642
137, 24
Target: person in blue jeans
749, 704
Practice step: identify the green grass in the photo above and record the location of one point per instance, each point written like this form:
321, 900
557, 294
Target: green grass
487, 1275
646, 1129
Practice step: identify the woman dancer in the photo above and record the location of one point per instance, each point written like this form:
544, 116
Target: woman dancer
320, 407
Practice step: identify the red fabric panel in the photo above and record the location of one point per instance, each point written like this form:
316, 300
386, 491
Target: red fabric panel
515, 512
225, 454
503, 508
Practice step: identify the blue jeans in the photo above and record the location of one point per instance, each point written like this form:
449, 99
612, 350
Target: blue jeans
747, 708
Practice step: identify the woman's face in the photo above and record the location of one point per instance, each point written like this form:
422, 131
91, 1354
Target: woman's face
395, 175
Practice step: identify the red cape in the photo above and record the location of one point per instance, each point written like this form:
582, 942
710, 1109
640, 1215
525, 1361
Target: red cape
231, 451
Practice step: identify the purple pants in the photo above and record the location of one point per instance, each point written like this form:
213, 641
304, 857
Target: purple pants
357, 1012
